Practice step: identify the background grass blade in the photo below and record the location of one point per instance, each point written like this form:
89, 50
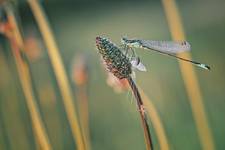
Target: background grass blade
155, 120
189, 77
16, 43
59, 71
80, 76
83, 113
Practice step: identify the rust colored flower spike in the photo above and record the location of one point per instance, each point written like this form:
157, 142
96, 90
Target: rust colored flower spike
116, 62
118, 85
80, 70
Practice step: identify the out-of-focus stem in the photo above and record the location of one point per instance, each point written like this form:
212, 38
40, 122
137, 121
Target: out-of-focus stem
189, 77
156, 122
80, 77
38, 126
147, 135
59, 70
6, 141
16, 43
84, 113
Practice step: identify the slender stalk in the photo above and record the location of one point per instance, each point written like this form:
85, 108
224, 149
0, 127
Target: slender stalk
156, 122
6, 143
189, 77
148, 140
59, 70
80, 77
84, 114
24, 75
17, 45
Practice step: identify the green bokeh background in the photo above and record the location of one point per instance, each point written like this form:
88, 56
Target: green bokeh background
114, 121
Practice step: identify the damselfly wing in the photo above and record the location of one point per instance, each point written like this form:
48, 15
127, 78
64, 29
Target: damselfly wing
137, 64
172, 47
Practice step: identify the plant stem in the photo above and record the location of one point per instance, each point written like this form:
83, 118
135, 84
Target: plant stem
140, 104
59, 70
156, 121
17, 44
82, 97
190, 78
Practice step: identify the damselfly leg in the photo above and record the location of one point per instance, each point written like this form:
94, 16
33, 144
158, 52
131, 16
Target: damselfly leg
134, 59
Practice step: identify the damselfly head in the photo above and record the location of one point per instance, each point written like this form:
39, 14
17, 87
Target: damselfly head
131, 42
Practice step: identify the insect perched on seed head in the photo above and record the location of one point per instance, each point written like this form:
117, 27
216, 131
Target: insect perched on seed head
121, 60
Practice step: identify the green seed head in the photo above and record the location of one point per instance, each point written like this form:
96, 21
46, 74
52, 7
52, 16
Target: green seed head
116, 62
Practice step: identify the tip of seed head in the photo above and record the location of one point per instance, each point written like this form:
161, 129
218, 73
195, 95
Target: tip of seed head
98, 39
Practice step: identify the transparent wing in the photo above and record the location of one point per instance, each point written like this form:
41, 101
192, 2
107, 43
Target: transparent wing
165, 46
141, 67
138, 65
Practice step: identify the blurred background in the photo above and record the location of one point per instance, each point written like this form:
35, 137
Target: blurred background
112, 117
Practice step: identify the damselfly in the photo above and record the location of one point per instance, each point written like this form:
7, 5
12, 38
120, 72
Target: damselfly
169, 48
120, 60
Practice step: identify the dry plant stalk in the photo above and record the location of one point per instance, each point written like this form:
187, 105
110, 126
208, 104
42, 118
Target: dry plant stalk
16, 42
84, 114
141, 109
119, 65
189, 77
156, 122
59, 70
80, 78
122, 86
